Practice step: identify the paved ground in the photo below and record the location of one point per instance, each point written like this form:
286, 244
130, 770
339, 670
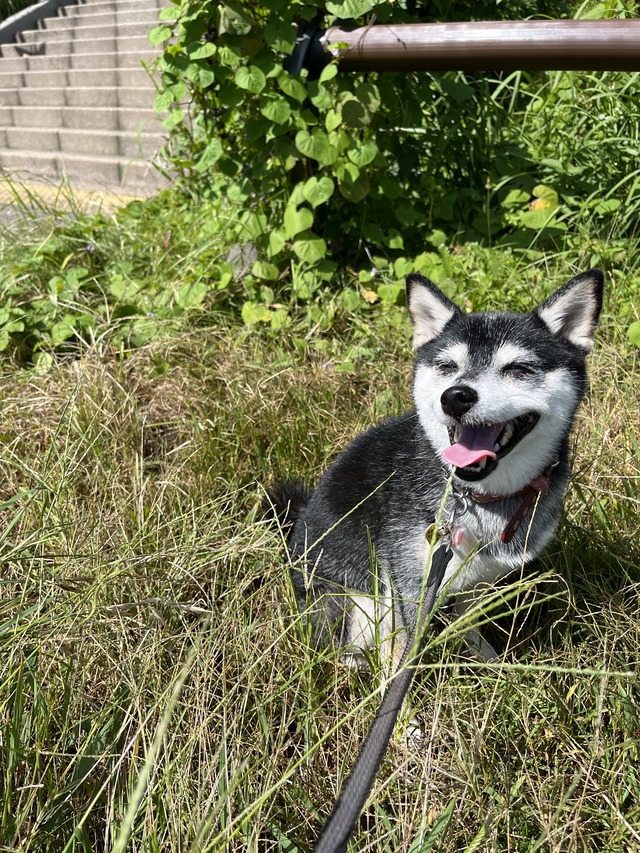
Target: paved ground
20, 201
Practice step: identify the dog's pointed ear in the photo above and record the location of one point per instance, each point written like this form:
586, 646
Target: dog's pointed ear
572, 312
429, 308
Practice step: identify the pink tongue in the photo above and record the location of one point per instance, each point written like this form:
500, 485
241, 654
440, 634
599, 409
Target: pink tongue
474, 444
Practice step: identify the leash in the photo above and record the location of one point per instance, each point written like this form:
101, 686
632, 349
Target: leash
355, 790
354, 793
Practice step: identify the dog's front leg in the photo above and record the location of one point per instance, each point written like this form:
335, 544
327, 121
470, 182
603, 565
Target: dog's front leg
476, 647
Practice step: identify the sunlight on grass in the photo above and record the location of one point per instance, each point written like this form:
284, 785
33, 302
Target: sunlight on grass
157, 692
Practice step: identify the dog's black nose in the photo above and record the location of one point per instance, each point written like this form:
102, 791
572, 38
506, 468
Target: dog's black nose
457, 400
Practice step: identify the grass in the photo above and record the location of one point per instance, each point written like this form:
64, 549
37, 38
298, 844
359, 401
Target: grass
156, 692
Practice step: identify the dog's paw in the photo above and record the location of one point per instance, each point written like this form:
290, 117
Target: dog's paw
411, 734
355, 660
477, 649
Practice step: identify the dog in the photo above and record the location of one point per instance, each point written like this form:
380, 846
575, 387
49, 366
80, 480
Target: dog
486, 449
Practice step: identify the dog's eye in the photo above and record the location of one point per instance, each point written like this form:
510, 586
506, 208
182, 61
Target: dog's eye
446, 367
520, 369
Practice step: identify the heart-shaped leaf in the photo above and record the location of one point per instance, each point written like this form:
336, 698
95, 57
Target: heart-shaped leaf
318, 190
634, 333
251, 78
317, 146
310, 248
297, 219
363, 154
278, 110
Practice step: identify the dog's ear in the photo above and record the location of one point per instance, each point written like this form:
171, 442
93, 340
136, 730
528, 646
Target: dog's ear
572, 312
429, 308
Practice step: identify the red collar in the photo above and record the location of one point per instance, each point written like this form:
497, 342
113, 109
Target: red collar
537, 488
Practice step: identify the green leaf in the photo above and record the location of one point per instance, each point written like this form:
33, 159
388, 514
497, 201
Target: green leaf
317, 146
394, 239
402, 267
390, 187
320, 97
363, 154
354, 113
229, 54
350, 8
277, 110
191, 294
328, 72
163, 100
279, 319
159, 34
347, 172
292, 87
251, 78
201, 77
310, 248
173, 119
516, 199
210, 155
281, 36
63, 330
537, 219
369, 95
123, 288
358, 190
234, 19
333, 119
318, 190
297, 220
253, 313
605, 205
252, 225
405, 213
633, 333
275, 243
270, 272
547, 195
43, 362
201, 50
391, 294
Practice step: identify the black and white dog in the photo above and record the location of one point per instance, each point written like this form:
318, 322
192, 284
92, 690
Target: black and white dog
495, 396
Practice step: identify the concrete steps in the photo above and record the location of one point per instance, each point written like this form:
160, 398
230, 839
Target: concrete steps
76, 101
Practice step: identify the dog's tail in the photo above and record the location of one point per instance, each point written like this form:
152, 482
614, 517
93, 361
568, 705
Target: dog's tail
284, 502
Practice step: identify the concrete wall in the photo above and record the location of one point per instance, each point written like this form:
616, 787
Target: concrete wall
28, 18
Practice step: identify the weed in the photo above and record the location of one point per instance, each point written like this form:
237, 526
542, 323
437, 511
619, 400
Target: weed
157, 691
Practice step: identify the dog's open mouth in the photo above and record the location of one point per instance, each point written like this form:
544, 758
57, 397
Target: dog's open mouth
476, 450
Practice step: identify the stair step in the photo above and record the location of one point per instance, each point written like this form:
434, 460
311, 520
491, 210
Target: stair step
123, 59
112, 30
89, 77
85, 170
86, 118
102, 143
148, 17
71, 47
101, 7
78, 96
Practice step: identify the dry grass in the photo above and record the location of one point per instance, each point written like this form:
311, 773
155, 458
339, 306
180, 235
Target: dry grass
156, 691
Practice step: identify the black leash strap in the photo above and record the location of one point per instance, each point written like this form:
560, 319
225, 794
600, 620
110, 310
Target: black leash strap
355, 790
